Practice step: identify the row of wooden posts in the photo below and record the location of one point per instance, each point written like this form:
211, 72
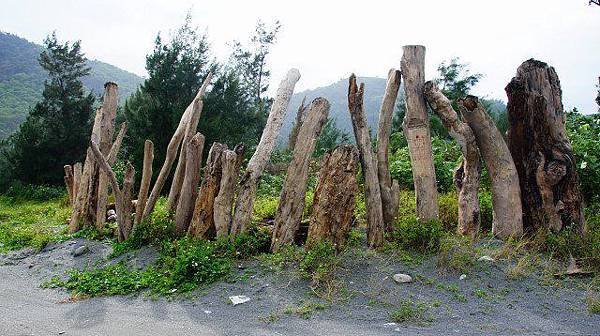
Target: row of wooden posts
537, 142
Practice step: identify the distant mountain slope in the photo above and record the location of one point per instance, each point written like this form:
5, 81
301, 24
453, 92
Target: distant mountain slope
337, 95
22, 80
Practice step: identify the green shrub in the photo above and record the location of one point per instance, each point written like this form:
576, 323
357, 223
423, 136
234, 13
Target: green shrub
28, 192
448, 210
456, 253
486, 210
422, 236
319, 263
584, 132
255, 241
265, 207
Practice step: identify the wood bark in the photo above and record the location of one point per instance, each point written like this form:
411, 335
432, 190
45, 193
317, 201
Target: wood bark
543, 155
69, 182
368, 162
291, 201
224, 200
333, 204
297, 124
145, 182
123, 204
103, 179
195, 108
189, 190
249, 181
77, 171
506, 193
390, 190
202, 224
467, 175
418, 135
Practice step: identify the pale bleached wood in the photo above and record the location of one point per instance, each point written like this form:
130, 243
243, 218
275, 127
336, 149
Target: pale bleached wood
77, 171
195, 107
291, 201
368, 161
189, 190
249, 181
145, 182
466, 176
418, 135
202, 224
69, 182
506, 193
224, 200
389, 189
297, 124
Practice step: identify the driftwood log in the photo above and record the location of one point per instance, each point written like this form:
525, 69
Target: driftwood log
416, 130
467, 175
368, 161
506, 193
291, 201
123, 204
543, 155
145, 182
390, 190
333, 204
189, 190
195, 108
202, 224
297, 124
224, 200
249, 181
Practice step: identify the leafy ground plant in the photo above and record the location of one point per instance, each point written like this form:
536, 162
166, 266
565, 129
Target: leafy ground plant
409, 312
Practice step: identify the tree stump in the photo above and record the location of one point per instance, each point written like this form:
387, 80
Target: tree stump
466, 176
390, 190
506, 193
224, 200
291, 202
203, 224
249, 181
543, 155
189, 190
145, 182
375, 225
333, 204
418, 135
297, 124
69, 182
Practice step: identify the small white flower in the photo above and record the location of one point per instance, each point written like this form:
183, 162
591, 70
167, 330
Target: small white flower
583, 165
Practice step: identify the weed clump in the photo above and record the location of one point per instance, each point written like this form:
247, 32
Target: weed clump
410, 312
456, 253
421, 236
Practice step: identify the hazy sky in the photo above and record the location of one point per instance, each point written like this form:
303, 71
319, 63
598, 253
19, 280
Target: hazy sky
327, 40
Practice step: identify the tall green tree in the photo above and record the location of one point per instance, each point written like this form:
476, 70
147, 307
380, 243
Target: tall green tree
56, 131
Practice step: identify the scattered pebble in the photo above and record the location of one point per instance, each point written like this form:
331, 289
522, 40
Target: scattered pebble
463, 277
486, 258
402, 278
238, 299
83, 249
207, 312
389, 324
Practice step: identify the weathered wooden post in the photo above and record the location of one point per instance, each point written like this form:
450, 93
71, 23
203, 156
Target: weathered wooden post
224, 200
145, 182
189, 190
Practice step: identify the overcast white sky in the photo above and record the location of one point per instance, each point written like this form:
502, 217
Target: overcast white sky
327, 40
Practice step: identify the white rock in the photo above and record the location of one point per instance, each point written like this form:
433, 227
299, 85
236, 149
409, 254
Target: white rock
486, 258
402, 278
111, 218
111, 212
83, 249
238, 299
463, 277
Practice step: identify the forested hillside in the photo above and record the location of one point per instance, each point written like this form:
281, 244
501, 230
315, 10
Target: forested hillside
22, 80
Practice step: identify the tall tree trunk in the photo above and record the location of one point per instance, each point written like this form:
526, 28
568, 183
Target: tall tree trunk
145, 182
466, 176
195, 108
506, 194
224, 200
203, 224
69, 182
389, 189
189, 190
333, 204
418, 135
77, 172
375, 225
297, 124
248, 183
291, 201
543, 155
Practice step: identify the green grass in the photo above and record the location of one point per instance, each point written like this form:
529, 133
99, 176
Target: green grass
31, 223
409, 312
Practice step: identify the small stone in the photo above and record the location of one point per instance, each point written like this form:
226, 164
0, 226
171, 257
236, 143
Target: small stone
463, 277
486, 258
83, 249
112, 218
207, 312
111, 212
402, 278
238, 299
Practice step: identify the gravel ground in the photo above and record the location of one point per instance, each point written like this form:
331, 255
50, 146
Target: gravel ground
485, 303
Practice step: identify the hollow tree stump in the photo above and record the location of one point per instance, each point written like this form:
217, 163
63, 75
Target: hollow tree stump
543, 155
202, 224
291, 201
333, 204
368, 162
467, 175
506, 193
390, 190
189, 190
418, 135
249, 181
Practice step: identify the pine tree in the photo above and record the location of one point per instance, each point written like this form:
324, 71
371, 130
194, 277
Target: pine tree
56, 131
